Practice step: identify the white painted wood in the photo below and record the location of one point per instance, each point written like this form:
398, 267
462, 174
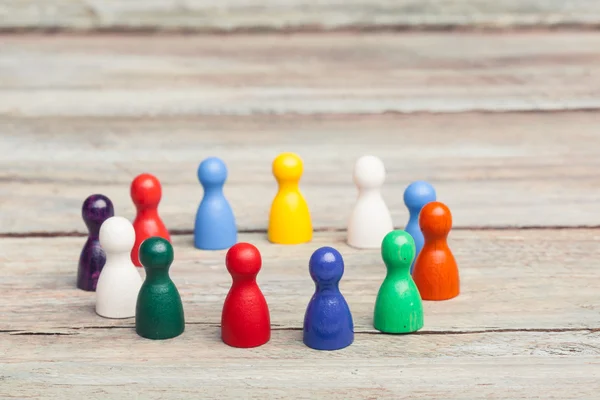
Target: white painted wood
510, 279
526, 323
119, 282
101, 363
492, 170
231, 15
370, 219
306, 74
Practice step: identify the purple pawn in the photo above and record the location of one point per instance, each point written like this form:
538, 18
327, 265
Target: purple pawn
95, 210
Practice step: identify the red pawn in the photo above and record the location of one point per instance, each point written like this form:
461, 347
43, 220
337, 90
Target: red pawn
146, 193
245, 321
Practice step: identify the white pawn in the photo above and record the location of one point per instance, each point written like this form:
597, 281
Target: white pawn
370, 220
119, 281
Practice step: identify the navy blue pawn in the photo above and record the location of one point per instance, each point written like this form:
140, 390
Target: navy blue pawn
328, 322
215, 227
416, 195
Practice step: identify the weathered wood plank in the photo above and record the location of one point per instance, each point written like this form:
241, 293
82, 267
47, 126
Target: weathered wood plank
338, 73
296, 14
510, 280
491, 169
95, 363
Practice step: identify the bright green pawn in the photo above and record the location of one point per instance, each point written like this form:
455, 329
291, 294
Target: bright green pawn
398, 308
159, 312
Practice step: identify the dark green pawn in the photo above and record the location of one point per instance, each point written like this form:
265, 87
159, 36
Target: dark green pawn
398, 308
159, 312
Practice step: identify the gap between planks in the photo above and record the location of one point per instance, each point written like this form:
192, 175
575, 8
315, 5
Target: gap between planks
184, 232
70, 331
356, 29
295, 15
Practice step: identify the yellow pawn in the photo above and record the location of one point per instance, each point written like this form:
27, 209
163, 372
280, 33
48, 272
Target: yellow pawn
289, 221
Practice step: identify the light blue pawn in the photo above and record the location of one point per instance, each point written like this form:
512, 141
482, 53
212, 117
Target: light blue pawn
416, 195
215, 227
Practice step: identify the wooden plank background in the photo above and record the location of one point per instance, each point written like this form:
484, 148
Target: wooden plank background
525, 325
119, 106
308, 74
512, 280
505, 170
473, 366
231, 15
494, 102
477, 366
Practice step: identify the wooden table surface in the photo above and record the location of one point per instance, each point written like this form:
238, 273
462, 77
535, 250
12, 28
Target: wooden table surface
504, 122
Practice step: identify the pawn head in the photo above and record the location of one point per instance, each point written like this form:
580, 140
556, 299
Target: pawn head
417, 194
96, 209
117, 235
287, 167
435, 220
243, 260
326, 266
398, 249
369, 172
156, 253
212, 172
146, 191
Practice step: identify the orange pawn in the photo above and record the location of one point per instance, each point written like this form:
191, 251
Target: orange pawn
146, 193
436, 272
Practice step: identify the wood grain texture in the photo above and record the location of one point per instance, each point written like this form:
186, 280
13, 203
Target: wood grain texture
339, 73
95, 364
510, 280
231, 15
493, 170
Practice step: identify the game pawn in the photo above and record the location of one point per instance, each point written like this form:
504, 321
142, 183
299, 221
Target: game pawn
215, 227
289, 219
245, 321
416, 195
398, 308
120, 281
328, 322
146, 193
436, 272
159, 311
96, 209
370, 220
